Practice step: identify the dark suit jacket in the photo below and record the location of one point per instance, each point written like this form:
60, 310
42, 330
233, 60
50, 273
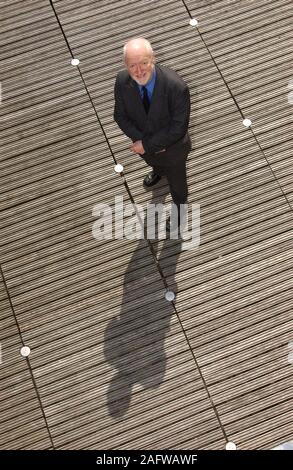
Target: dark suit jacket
163, 130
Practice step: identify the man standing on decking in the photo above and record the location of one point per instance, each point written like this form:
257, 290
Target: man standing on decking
152, 107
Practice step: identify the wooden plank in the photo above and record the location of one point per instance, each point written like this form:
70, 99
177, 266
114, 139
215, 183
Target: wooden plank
36, 435
255, 398
25, 17
251, 19
230, 300
265, 431
281, 399
146, 438
18, 396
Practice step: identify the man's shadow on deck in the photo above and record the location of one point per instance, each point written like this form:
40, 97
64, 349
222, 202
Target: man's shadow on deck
134, 341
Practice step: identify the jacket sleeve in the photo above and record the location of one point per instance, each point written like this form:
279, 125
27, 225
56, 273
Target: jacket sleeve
176, 129
120, 116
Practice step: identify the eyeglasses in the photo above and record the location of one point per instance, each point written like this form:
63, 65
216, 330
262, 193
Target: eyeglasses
143, 63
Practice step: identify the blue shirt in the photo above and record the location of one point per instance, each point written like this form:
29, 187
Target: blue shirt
149, 86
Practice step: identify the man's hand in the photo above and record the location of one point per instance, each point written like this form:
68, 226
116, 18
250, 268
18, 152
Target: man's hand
137, 147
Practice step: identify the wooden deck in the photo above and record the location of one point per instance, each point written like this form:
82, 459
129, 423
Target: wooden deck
113, 365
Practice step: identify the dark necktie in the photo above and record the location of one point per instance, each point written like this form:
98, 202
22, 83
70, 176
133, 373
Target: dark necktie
145, 99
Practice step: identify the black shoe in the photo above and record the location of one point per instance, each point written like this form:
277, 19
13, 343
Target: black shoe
151, 179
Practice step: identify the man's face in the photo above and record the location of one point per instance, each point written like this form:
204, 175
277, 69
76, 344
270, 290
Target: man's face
140, 66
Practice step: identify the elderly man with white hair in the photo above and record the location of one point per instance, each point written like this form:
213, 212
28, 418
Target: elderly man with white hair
152, 107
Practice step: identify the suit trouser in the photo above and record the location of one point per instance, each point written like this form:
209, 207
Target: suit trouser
176, 177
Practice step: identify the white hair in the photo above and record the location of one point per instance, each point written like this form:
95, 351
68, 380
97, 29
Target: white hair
143, 40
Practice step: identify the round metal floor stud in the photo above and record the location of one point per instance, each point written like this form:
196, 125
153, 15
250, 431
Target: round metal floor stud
231, 446
247, 122
25, 351
193, 22
74, 62
169, 296
118, 168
